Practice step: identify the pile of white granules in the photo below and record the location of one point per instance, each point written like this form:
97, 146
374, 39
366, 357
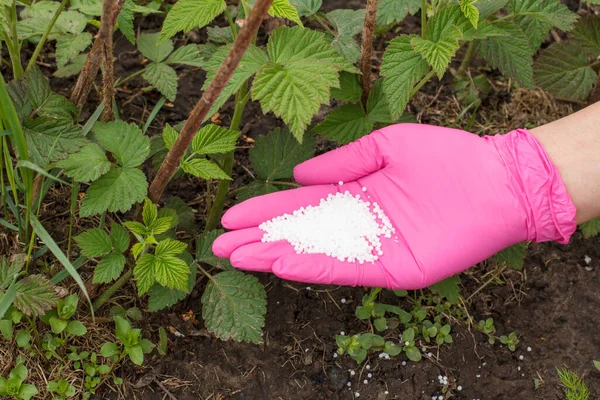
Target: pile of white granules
342, 226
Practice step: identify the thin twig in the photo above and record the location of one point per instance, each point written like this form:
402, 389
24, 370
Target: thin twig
241, 43
367, 48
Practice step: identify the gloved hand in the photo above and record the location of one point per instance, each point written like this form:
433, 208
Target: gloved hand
454, 199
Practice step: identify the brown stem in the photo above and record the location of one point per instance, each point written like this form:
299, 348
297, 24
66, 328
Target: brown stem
108, 80
367, 48
110, 12
241, 43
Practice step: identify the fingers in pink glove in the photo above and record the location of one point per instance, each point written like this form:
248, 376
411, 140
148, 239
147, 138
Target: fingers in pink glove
346, 164
260, 256
257, 210
225, 244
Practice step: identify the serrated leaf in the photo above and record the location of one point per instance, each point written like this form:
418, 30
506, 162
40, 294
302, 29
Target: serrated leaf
298, 78
171, 272
219, 35
448, 288
347, 24
511, 54
36, 18
88, 164
275, 155
35, 295
125, 20
149, 212
94, 243
76, 328
307, 7
194, 55
169, 247
204, 253
378, 108
73, 68
69, 46
283, 9
488, 7
258, 187
185, 214
126, 142
9, 267
151, 48
590, 228
163, 78
393, 11
251, 61
587, 35
564, 71
233, 307
212, 139
50, 139
143, 273
117, 190
160, 297
350, 88
553, 12
109, 268
513, 256
402, 68
345, 124
470, 11
438, 53
119, 238
189, 14
203, 168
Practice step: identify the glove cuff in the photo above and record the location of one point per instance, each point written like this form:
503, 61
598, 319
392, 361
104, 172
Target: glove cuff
550, 210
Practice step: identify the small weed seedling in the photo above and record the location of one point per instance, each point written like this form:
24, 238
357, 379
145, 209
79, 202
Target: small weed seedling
61, 390
130, 343
511, 341
14, 386
573, 385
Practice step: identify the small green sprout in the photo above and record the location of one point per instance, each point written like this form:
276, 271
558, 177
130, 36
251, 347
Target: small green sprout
130, 343
62, 389
14, 386
511, 341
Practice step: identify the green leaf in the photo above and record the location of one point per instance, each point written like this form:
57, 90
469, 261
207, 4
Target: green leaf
36, 18
169, 247
76, 328
393, 11
345, 124
160, 297
35, 295
563, 70
6, 329
234, 306
88, 164
109, 268
69, 46
283, 9
413, 353
185, 214
590, 228
256, 188
119, 238
597, 364
136, 228
402, 68
438, 53
149, 212
470, 11
57, 325
117, 190
513, 256
251, 61
220, 35
22, 338
511, 54
347, 24
378, 109
350, 88
125, 21
147, 346
109, 349
448, 288
587, 35
171, 272
153, 49
94, 243
275, 155
204, 253
122, 328
194, 55
488, 7
204, 169
136, 354
9, 267
298, 79
189, 14
307, 7
163, 78
50, 139
553, 12
212, 139
126, 142
73, 68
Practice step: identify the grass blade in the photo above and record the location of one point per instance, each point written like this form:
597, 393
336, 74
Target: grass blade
92, 120
45, 236
8, 297
63, 273
41, 171
155, 111
8, 225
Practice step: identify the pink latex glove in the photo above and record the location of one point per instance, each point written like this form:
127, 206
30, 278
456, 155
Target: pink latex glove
454, 198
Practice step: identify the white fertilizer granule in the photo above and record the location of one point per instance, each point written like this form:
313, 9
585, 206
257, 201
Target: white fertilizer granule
342, 226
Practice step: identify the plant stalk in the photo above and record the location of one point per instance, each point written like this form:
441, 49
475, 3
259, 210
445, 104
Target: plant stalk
198, 114
42, 41
108, 74
16, 61
367, 48
108, 293
466, 62
422, 83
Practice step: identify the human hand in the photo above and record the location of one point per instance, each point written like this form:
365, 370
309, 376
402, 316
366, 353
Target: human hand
454, 199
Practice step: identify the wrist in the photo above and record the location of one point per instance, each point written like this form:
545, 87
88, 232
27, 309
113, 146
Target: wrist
535, 180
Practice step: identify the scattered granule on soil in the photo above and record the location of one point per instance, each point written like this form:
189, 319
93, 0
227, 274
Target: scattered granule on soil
341, 226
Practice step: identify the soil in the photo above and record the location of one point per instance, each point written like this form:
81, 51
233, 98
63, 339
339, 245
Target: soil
551, 304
